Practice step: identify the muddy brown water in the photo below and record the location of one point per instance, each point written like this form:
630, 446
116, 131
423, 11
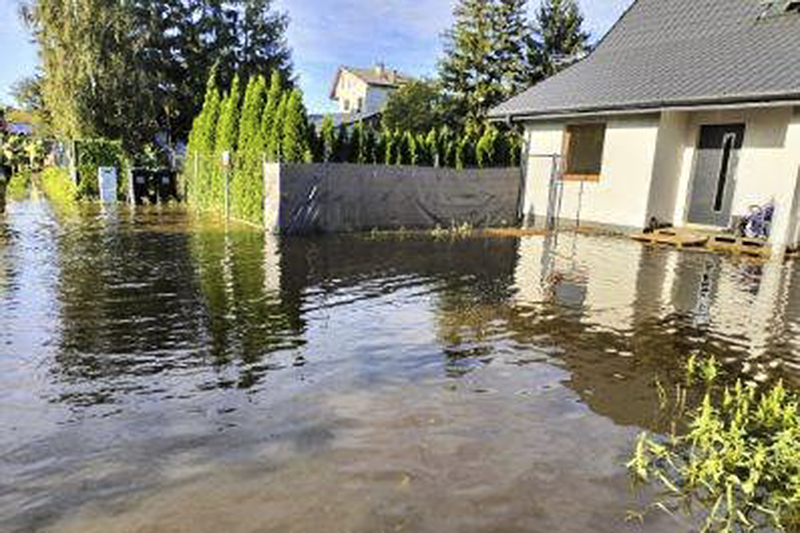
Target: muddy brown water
161, 374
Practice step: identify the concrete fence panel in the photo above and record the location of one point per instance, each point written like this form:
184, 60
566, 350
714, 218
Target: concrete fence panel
332, 198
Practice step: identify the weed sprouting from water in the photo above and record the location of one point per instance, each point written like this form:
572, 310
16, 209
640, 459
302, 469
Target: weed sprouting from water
739, 458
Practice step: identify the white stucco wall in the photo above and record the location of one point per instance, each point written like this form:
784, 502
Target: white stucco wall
768, 162
620, 197
671, 144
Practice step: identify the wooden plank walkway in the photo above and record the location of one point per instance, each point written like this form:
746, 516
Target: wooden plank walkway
674, 237
715, 242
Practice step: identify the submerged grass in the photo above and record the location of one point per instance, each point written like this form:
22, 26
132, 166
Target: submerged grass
739, 458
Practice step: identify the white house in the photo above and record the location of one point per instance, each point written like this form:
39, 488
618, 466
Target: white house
688, 111
365, 90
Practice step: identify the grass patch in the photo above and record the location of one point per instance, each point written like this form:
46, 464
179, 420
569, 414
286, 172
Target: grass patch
738, 459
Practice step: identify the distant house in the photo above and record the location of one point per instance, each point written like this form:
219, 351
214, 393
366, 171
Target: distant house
688, 112
362, 93
17, 122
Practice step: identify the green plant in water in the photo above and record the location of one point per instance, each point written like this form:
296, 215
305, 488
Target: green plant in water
739, 459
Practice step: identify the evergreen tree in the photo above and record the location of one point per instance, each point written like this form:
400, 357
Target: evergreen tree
485, 150
295, 135
328, 139
201, 144
275, 142
228, 127
343, 147
432, 146
252, 111
273, 101
247, 185
412, 154
511, 35
314, 144
370, 146
389, 148
356, 143
558, 38
401, 154
465, 153
130, 69
468, 70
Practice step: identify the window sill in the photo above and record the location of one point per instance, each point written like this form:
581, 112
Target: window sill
581, 177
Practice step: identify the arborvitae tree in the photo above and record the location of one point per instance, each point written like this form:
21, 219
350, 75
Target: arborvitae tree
315, 144
468, 70
400, 148
270, 112
558, 38
423, 155
412, 155
370, 146
514, 147
247, 185
356, 143
485, 150
432, 147
328, 139
252, 111
275, 142
465, 153
201, 142
343, 146
387, 140
295, 145
228, 127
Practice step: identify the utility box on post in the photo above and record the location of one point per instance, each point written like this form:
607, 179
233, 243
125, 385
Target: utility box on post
107, 182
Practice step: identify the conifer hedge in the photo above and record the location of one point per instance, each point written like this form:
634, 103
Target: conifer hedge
271, 124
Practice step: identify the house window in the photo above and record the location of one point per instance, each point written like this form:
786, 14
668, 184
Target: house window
360, 104
583, 151
347, 105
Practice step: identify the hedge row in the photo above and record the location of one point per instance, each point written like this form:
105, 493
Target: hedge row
271, 123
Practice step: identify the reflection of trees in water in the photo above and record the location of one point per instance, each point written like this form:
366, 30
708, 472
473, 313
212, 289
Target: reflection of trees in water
144, 300
244, 321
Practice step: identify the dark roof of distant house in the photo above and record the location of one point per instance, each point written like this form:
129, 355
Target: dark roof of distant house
378, 76
675, 53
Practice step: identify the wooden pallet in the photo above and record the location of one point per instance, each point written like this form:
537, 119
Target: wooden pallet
739, 245
673, 237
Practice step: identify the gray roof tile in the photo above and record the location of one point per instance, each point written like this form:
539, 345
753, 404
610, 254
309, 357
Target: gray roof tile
676, 52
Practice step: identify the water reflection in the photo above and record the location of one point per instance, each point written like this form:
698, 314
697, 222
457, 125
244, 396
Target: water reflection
160, 359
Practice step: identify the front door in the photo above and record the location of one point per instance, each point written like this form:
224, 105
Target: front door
714, 176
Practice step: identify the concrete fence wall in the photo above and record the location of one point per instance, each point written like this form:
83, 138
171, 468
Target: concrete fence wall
331, 198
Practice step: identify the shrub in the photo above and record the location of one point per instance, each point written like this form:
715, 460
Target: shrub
740, 458
58, 187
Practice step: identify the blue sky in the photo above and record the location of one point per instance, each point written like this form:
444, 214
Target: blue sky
323, 34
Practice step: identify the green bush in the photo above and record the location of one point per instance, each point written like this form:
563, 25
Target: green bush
58, 187
19, 185
739, 459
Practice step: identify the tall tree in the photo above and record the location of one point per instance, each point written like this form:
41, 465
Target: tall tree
295, 135
135, 68
511, 35
467, 69
415, 107
558, 38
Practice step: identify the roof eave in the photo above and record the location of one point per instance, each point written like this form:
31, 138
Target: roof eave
760, 100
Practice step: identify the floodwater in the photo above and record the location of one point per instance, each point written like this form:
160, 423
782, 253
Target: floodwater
159, 374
